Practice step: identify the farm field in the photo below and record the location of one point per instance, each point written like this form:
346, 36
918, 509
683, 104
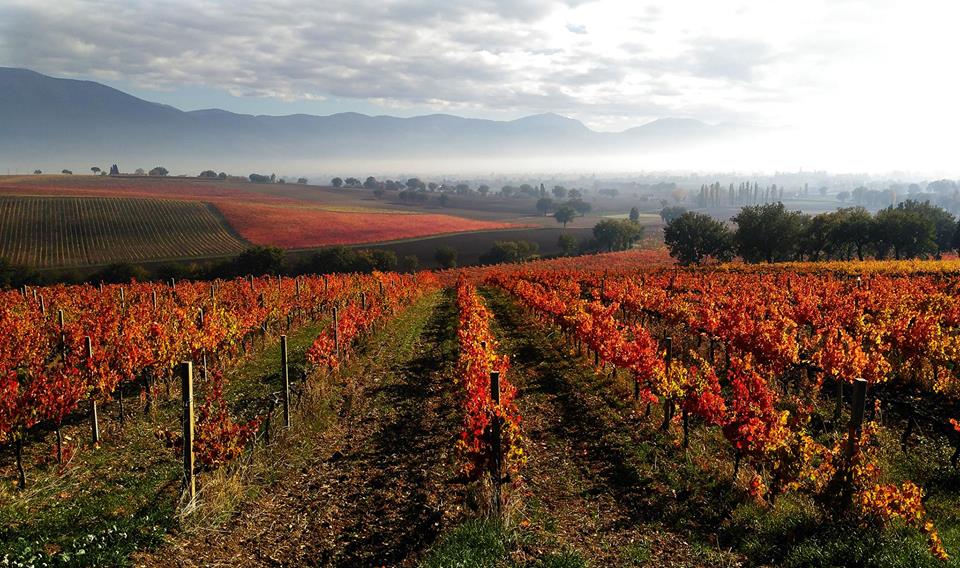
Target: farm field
607, 410
284, 215
48, 232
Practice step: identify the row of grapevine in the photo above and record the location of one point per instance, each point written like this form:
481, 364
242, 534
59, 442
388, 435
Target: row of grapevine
491, 439
73, 346
768, 430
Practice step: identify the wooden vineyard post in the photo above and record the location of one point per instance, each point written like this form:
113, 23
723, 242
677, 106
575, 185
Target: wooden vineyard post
203, 352
43, 307
856, 416
154, 299
495, 433
285, 372
336, 334
94, 423
189, 479
123, 299
63, 336
667, 403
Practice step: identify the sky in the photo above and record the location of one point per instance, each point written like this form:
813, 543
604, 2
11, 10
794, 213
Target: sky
842, 84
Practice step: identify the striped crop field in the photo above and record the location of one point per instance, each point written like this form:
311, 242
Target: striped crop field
47, 232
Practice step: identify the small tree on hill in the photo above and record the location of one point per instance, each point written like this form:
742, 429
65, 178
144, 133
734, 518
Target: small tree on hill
617, 234
544, 205
446, 256
564, 214
95, 170
567, 243
634, 214
208, 174
260, 260
159, 171
336, 182
694, 237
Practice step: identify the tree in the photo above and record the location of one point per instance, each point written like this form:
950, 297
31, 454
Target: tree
210, 174
617, 234
351, 182
851, 230
95, 170
408, 263
415, 184
564, 214
906, 231
634, 214
483, 190
446, 256
66, 172
140, 172
37, 172
956, 238
768, 233
575, 194
544, 205
559, 192
114, 170
944, 224
816, 237
509, 251
567, 243
843, 196
444, 200
159, 171
371, 183
694, 237
259, 178
260, 260
301, 181
336, 182
670, 213
222, 176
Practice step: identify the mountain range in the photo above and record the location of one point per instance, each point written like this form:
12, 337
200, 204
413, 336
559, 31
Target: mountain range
48, 121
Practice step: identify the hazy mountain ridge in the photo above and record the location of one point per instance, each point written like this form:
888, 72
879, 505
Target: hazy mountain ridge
49, 121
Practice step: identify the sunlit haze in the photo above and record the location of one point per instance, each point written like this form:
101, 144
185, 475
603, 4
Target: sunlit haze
849, 86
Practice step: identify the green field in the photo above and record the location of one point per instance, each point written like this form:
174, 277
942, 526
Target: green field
46, 232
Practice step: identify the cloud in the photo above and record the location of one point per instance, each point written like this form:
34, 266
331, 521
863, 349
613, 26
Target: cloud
640, 60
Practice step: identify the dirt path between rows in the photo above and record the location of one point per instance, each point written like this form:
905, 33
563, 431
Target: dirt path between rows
593, 484
381, 494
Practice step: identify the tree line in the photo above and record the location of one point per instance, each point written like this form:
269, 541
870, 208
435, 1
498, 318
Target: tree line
771, 233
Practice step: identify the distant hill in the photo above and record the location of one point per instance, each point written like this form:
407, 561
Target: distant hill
49, 121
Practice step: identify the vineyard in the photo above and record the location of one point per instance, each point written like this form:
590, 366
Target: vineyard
51, 221
48, 232
604, 410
